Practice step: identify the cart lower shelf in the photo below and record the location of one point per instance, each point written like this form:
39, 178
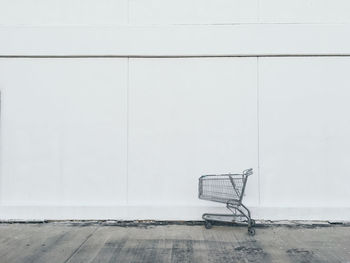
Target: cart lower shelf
228, 218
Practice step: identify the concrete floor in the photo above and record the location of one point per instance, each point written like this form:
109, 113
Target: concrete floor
86, 242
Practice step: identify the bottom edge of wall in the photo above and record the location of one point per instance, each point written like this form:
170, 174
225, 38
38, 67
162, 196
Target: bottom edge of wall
145, 212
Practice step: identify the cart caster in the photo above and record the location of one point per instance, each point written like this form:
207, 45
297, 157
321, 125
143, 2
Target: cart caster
252, 222
251, 231
208, 224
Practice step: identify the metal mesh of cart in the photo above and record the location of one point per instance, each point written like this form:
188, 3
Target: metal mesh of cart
220, 188
225, 188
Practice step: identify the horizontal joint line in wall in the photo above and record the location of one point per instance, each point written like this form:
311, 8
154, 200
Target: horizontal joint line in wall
166, 56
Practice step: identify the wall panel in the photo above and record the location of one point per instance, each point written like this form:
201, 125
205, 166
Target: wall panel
304, 11
189, 117
304, 131
179, 40
63, 12
63, 131
159, 12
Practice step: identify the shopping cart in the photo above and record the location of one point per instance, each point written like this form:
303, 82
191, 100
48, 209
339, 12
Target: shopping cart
227, 189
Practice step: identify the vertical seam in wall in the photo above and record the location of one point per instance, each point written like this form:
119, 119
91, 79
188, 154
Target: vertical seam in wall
61, 192
127, 131
61, 145
1, 161
258, 124
127, 13
127, 109
258, 10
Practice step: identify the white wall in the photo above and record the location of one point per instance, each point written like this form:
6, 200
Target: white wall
170, 12
189, 117
304, 131
63, 131
117, 110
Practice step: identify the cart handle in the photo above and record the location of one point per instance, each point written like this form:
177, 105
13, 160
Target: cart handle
248, 172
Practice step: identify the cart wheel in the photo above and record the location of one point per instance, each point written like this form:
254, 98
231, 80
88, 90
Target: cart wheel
252, 222
251, 231
208, 224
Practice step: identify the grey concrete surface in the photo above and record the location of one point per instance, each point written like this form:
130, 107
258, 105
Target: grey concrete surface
84, 242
